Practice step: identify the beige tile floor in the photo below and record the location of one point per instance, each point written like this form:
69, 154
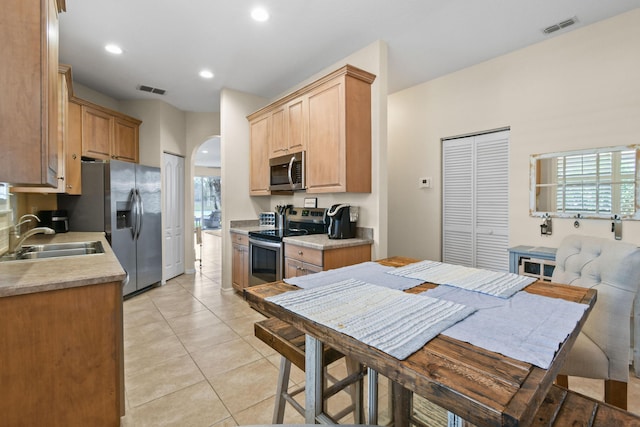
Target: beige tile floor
191, 358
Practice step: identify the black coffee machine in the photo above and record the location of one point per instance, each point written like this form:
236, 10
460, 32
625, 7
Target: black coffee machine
342, 221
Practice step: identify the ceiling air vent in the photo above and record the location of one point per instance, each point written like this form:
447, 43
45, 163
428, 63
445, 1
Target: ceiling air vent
560, 25
151, 89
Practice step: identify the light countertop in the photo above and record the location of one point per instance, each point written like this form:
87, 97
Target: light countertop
314, 241
47, 274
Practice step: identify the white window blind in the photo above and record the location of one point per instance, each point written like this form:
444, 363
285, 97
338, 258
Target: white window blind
596, 183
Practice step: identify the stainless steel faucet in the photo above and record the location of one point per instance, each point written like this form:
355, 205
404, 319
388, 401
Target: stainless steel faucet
16, 238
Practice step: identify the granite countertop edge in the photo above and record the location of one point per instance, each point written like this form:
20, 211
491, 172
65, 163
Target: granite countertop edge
31, 276
322, 242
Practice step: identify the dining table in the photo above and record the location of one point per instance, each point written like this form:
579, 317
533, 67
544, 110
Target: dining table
478, 385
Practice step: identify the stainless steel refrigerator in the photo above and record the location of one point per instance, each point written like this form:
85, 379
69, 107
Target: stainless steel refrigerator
123, 200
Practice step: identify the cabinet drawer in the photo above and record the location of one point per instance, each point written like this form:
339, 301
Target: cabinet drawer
295, 268
312, 256
240, 239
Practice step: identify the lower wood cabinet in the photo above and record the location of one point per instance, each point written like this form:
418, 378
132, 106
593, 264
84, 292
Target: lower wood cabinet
301, 260
239, 261
62, 358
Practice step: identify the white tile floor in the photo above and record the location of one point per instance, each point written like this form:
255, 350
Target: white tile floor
191, 358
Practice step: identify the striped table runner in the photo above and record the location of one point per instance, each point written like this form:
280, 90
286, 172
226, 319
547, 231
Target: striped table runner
389, 320
496, 283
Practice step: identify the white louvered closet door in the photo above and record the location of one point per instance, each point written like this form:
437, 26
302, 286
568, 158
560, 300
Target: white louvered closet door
475, 201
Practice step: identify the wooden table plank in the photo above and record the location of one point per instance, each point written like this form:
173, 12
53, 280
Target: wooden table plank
481, 386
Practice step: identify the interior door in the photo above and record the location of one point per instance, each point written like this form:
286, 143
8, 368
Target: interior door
173, 220
475, 201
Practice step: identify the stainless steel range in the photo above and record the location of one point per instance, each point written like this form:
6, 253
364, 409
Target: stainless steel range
266, 255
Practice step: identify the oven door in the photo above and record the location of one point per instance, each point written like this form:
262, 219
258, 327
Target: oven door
265, 261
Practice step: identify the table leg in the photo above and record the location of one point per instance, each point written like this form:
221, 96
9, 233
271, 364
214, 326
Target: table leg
372, 385
313, 379
401, 405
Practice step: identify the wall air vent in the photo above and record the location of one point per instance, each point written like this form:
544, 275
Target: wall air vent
560, 25
151, 89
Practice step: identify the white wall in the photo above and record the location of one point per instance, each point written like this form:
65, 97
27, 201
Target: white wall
234, 153
83, 92
576, 90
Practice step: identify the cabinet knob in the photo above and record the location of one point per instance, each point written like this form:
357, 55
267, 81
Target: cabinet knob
69, 186
61, 178
74, 156
299, 252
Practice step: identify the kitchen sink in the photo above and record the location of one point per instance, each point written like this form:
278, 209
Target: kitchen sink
55, 250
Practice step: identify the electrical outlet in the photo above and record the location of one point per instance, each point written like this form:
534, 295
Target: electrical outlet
425, 182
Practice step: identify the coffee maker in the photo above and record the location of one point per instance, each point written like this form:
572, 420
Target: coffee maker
342, 221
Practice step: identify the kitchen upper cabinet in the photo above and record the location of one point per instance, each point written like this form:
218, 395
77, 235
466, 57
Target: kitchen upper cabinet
68, 147
260, 136
96, 133
330, 119
73, 155
289, 128
339, 145
297, 124
29, 102
278, 144
107, 134
126, 140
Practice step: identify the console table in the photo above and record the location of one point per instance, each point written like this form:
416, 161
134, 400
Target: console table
535, 261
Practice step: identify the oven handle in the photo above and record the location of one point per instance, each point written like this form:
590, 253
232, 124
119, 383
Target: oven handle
264, 243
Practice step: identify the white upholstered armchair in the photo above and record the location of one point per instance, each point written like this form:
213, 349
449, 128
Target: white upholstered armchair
602, 348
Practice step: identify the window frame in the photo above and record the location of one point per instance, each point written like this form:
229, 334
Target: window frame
594, 179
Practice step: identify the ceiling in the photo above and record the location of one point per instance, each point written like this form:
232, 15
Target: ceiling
166, 43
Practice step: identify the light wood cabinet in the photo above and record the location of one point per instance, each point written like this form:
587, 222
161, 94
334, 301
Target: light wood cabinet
301, 260
96, 133
260, 130
107, 134
289, 128
330, 119
62, 357
29, 102
297, 124
73, 165
68, 149
278, 145
339, 145
239, 261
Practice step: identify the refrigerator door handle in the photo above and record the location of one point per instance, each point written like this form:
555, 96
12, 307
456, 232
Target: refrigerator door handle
134, 213
140, 214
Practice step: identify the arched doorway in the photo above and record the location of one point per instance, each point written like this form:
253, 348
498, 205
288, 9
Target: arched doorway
207, 201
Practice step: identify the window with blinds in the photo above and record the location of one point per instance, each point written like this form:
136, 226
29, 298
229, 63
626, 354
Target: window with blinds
593, 183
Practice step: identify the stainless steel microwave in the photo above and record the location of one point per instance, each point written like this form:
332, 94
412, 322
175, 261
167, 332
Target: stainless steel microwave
287, 172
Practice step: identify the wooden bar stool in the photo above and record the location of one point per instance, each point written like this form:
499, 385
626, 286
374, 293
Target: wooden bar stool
290, 343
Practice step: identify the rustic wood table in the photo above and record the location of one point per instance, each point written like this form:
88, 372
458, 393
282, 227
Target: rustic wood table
478, 385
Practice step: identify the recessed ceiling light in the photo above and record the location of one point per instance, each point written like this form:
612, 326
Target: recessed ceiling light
112, 48
204, 151
259, 14
206, 74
